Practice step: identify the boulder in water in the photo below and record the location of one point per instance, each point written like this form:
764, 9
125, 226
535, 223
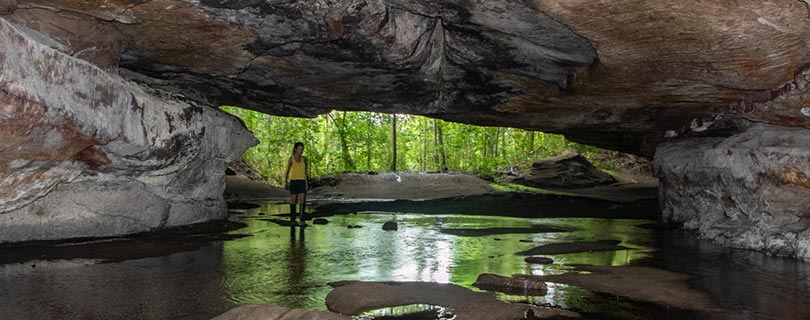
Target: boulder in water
539, 260
390, 226
570, 170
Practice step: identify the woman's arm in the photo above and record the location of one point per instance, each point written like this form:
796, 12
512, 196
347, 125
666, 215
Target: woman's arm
287, 174
306, 173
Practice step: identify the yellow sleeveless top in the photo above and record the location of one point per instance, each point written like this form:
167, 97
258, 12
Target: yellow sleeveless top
298, 169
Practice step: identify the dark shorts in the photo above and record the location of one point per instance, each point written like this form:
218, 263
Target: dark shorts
298, 186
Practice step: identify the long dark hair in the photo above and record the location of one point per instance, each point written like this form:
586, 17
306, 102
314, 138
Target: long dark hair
295, 146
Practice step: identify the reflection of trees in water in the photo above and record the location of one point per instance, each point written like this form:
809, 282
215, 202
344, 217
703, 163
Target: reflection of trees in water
297, 258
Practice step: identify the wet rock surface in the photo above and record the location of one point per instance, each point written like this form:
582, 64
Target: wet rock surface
574, 247
354, 297
638, 283
517, 284
751, 190
390, 226
508, 204
539, 260
494, 231
111, 250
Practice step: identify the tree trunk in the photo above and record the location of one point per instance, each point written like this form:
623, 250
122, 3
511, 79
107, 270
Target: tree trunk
423, 154
368, 144
436, 144
393, 142
442, 155
348, 164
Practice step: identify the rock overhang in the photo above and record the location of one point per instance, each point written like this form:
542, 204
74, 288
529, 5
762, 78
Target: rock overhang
615, 75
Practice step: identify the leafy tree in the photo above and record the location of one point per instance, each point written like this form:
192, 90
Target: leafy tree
357, 142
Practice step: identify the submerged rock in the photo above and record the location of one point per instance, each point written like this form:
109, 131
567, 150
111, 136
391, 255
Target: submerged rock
390, 226
638, 283
493, 231
516, 284
355, 297
574, 247
539, 260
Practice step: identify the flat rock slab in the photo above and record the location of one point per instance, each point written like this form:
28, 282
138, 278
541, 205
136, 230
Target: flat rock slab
509, 205
518, 284
403, 185
574, 247
638, 283
539, 260
464, 232
241, 187
273, 312
355, 297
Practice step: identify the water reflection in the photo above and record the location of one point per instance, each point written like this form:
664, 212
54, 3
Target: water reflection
419, 251
291, 266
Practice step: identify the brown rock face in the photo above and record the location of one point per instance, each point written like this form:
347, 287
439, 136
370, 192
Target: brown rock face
607, 73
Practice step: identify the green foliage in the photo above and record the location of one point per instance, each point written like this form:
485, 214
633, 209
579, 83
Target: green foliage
361, 141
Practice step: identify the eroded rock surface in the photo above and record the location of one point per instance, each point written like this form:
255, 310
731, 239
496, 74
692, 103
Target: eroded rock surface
612, 74
565, 171
87, 153
751, 190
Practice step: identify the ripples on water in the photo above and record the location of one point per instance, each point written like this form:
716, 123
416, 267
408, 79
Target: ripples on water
292, 266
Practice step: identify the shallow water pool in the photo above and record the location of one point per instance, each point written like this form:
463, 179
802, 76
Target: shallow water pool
291, 266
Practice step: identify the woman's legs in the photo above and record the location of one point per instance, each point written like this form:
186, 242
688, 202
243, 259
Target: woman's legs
302, 197
293, 202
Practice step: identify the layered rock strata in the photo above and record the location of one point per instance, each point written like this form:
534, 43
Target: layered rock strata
750, 190
85, 153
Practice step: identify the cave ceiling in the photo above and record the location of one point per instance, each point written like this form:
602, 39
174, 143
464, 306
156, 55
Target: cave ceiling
615, 74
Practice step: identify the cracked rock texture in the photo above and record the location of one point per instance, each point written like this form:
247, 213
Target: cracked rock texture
751, 190
86, 153
614, 74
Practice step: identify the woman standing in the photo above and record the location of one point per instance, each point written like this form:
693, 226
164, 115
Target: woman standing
296, 177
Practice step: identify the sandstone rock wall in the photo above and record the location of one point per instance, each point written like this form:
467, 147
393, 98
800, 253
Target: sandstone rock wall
84, 152
751, 190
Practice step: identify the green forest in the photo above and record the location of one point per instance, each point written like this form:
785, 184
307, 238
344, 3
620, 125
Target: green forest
343, 141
